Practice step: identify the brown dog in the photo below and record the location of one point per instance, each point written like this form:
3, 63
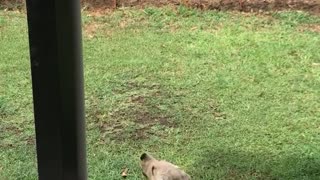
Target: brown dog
154, 169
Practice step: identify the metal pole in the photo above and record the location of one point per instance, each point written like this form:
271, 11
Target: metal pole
57, 83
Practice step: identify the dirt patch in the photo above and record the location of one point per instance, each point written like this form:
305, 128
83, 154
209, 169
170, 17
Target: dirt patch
147, 118
137, 99
30, 140
146, 121
139, 127
310, 27
139, 115
90, 30
13, 130
312, 6
15, 136
264, 5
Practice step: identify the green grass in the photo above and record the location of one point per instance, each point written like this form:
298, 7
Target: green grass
223, 95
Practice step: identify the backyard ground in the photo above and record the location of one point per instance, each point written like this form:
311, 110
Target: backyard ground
225, 95
312, 6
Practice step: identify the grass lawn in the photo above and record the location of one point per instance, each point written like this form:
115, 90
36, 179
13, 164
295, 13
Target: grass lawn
223, 95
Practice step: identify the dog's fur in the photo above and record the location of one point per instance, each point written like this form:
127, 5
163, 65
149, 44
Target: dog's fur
154, 169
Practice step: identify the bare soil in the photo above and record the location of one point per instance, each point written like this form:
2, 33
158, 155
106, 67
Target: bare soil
138, 117
312, 6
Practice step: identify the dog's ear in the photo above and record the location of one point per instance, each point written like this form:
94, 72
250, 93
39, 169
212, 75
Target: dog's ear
145, 157
152, 170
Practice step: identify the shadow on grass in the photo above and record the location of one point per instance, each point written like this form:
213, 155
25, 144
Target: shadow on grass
232, 164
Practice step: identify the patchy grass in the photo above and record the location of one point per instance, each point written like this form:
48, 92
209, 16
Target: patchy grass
224, 95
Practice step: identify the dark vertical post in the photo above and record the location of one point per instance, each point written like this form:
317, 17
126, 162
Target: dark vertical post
57, 82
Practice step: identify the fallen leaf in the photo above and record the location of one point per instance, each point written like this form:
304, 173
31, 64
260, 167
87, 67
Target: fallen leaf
124, 172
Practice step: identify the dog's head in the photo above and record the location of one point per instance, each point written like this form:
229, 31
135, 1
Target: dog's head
147, 165
154, 169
